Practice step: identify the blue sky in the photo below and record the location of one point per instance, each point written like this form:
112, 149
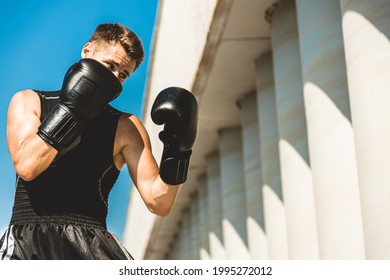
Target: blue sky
39, 41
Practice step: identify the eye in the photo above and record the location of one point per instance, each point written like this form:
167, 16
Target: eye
123, 76
110, 66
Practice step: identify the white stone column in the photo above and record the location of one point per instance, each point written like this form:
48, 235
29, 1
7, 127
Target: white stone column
214, 202
297, 181
176, 252
366, 33
331, 141
204, 249
173, 252
195, 236
181, 252
274, 210
257, 241
233, 194
187, 235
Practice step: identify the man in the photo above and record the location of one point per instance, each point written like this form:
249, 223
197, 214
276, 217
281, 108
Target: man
68, 146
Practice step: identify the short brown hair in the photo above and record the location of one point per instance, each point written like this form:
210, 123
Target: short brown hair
118, 33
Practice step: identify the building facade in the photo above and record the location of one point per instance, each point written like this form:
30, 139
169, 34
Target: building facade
292, 159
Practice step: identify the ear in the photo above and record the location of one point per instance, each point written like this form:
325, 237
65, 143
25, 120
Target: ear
87, 50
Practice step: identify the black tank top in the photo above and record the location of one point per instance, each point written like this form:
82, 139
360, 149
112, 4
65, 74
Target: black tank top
74, 189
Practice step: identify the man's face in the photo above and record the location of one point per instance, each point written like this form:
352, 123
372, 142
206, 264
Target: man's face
113, 56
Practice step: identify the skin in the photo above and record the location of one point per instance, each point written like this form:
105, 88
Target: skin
31, 155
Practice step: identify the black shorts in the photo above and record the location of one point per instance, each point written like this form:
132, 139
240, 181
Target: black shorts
50, 241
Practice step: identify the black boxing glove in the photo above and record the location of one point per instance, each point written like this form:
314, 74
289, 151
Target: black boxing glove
177, 108
87, 88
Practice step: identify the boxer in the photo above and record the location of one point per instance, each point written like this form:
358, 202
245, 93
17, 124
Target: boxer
68, 147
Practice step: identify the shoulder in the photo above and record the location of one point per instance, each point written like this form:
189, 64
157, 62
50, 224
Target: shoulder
131, 122
27, 98
133, 119
24, 105
27, 94
131, 130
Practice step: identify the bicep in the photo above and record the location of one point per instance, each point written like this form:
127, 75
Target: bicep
138, 155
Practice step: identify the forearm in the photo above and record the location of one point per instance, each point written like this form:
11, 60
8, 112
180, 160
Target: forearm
163, 197
32, 157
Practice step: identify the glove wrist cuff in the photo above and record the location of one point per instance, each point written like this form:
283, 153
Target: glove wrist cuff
60, 127
174, 167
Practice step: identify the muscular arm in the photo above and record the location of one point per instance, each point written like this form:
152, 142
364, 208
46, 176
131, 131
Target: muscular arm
30, 154
158, 196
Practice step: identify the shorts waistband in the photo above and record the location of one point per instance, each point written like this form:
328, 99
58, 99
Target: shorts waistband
74, 219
